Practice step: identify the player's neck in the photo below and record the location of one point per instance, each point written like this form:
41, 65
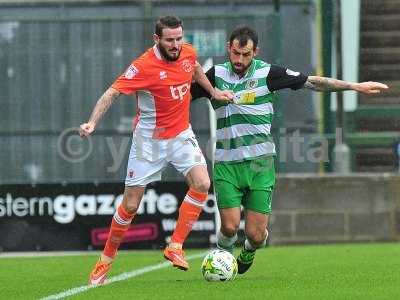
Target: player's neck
241, 74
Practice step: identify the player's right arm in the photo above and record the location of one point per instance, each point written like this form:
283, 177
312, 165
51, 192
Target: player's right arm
133, 79
102, 105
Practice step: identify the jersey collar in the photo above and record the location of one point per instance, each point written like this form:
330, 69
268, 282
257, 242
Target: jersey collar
249, 73
157, 52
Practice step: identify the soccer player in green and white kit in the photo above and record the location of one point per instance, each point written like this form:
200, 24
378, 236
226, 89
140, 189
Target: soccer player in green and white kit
244, 172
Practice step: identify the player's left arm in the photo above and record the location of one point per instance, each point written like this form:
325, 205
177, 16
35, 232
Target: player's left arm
200, 77
280, 77
325, 84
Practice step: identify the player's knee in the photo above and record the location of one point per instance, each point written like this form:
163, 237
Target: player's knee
229, 230
257, 237
130, 202
131, 208
201, 185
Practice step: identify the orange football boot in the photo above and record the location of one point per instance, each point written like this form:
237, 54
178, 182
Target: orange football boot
177, 257
99, 273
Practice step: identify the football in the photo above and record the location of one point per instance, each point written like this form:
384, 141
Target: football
219, 265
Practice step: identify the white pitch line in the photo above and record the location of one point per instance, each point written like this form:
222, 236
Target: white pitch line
120, 277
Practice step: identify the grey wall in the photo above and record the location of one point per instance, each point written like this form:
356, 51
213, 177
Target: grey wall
336, 209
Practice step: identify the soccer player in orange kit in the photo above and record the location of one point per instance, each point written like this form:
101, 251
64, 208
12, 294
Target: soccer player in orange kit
161, 79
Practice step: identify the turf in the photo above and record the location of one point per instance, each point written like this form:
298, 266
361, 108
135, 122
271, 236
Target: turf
360, 271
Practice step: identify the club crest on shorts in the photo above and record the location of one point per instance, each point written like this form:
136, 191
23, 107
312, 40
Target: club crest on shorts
187, 66
131, 174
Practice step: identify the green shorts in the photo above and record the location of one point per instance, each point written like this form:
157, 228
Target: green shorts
248, 183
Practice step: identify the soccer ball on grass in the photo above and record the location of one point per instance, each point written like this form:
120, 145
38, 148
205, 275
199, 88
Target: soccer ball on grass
219, 265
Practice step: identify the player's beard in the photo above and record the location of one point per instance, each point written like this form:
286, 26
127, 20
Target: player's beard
166, 55
241, 69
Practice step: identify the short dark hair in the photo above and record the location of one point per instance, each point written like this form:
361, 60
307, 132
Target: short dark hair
243, 34
167, 22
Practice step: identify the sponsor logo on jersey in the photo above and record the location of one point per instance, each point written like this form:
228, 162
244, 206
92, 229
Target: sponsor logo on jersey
178, 92
225, 86
292, 73
247, 97
187, 66
163, 75
131, 72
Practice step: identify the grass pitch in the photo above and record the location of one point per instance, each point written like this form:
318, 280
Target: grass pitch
361, 271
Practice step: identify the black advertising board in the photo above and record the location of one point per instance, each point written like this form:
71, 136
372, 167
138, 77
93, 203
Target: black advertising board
78, 216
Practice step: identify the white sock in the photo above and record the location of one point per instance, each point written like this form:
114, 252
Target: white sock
249, 246
225, 242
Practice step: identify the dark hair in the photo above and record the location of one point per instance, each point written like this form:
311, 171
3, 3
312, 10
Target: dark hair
243, 34
167, 22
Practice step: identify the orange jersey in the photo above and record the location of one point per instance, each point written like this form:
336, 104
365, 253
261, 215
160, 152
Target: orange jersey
162, 91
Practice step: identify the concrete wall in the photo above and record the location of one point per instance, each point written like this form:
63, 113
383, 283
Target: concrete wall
336, 209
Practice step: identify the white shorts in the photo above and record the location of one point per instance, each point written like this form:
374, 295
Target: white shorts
148, 157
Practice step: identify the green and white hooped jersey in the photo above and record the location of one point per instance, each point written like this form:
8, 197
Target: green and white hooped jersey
244, 127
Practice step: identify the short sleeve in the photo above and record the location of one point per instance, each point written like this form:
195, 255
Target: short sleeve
280, 78
133, 79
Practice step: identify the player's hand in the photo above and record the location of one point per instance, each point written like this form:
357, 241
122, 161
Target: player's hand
370, 87
86, 129
223, 95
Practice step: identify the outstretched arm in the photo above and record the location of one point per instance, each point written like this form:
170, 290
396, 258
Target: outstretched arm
325, 84
102, 105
